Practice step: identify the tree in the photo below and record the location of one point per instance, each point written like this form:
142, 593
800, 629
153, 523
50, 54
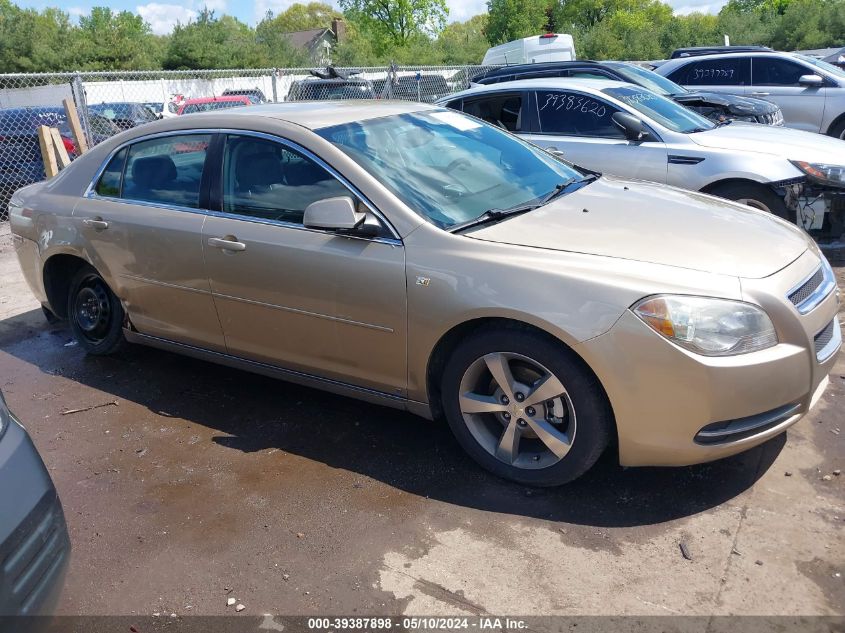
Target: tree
396, 22
211, 42
115, 41
34, 42
302, 17
464, 42
275, 48
514, 19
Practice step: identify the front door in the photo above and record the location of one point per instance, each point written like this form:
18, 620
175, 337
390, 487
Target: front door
777, 80
314, 301
580, 127
142, 223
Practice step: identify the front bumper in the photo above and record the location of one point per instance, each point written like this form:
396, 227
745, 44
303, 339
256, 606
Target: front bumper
676, 408
34, 542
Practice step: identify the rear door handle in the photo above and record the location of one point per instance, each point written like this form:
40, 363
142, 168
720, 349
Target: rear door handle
227, 244
96, 223
760, 94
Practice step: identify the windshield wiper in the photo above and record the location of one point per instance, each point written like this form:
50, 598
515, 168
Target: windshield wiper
496, 215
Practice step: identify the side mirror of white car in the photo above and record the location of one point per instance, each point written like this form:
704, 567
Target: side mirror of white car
811, 81
336, 214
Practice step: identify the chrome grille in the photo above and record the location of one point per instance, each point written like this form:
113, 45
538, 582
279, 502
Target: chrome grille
805, 290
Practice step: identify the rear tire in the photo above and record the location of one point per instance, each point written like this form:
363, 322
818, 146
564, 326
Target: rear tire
546, 427
755, 196
95, 314
837, 130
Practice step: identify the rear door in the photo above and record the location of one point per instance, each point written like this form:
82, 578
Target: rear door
580, 126
142, 226
729, 75
776, 79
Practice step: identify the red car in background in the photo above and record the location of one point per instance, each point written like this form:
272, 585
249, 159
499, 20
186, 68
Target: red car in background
204, 104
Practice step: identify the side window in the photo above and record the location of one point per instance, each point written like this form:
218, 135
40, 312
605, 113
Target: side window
109, 183
166, 170
455, 104
502, 110
727, 71
771, 71
590, 74
265, 179
576, 114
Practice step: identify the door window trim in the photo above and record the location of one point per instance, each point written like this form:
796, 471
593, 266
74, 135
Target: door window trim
91, 192
601, 100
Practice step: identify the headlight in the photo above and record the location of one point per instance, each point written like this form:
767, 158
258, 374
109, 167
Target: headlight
822, 172
711, 327
5, 416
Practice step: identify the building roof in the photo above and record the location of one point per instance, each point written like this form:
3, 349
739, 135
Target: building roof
307, 39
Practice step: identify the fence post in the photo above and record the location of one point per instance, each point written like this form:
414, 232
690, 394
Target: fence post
274, 82
77, 89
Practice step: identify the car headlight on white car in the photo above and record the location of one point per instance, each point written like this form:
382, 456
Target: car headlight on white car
823, 172
711, 327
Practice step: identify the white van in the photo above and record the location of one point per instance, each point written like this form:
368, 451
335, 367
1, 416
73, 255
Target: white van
551, 47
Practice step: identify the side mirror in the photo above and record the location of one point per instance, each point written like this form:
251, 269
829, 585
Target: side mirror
811, 81
337, 214
634, 128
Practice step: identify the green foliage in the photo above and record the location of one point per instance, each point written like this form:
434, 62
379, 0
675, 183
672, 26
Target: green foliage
514, 19
395, 23
302, 17
464, 42
106, 40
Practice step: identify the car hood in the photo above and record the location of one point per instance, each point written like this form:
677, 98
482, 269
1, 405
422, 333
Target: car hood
767, 139
653, 223
740, 106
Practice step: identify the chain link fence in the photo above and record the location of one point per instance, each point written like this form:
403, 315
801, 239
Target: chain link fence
110, 102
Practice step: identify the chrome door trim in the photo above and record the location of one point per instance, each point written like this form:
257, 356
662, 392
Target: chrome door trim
91, 193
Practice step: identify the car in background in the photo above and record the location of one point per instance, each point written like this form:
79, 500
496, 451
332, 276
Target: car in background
21, 162
34, 541
425, 88
623, 129
255, 96
549, 47
418, 258
715, 106
125, 115
331, 84
698, 51
810, 92
206, 104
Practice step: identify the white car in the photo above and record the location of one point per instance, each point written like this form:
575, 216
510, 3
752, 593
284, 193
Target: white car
619, 128
810, 92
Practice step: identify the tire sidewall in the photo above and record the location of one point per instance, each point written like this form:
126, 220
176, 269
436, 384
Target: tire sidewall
593, 417
737, 192
113, 339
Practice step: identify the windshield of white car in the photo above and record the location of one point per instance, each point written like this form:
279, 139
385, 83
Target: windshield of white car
833, 70
661, 110
449, 167
647, 79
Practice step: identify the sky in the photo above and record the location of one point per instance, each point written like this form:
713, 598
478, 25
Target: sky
162, 15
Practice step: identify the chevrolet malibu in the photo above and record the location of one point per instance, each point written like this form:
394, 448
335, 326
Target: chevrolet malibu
419, 258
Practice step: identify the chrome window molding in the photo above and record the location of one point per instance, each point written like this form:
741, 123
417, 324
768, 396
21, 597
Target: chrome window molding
91, 192
827, 286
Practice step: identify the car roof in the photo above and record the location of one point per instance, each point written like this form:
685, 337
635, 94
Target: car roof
579, 83
315, 115
682, 61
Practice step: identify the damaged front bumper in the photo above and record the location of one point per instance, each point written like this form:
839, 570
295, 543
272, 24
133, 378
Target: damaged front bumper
818, 207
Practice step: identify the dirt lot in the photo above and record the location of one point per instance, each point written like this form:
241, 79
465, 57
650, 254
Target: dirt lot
194, 483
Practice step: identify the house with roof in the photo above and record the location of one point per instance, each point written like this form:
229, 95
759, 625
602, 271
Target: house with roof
318, 43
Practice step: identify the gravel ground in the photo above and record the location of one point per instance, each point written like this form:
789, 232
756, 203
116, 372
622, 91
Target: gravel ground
191, 483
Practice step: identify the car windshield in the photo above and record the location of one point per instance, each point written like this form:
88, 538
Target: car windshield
833, 70
448, 167
661, 110
648, 79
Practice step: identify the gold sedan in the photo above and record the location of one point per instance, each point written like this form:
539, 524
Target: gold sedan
419, 258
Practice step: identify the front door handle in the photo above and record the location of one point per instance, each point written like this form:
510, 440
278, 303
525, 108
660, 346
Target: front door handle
227, 244
760, 94
98, 224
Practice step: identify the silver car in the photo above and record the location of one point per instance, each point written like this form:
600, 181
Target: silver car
810, 92
622, 129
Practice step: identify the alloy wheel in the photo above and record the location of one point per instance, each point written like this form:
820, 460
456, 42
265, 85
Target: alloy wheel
517, 410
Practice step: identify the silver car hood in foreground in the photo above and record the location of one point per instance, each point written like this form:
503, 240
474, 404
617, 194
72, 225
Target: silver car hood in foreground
653, 223
765, 139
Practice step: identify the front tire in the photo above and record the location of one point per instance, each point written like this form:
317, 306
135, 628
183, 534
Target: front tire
524, 407
837, 130
95, 314
755, 196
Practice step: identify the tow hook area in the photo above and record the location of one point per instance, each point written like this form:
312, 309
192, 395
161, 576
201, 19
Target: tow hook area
818, 208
